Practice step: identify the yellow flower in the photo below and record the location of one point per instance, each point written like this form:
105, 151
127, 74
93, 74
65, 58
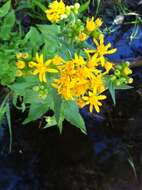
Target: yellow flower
108, 66
82, 36
42, 68
130, 80
102, 49
78, 60
93, 99
64, 86
22, 55
57, 60
98, 83
31, 64
92, 25
19, 73
127, 71
93, 61
81, 103
20, 64
81, 88
56, 11
98, 22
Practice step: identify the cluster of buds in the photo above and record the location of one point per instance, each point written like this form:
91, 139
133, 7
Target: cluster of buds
21, 63
121, 74
42, 91
58, 11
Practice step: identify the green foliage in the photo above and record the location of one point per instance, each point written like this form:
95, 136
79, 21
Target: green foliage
5, 8
8, 23
8, 68
71, 113
30, 93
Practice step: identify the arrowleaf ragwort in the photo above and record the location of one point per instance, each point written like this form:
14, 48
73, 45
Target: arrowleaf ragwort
54, 66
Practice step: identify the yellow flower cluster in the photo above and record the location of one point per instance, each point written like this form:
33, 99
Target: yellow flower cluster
37, 66
90, 27
58, 10
41, 68
21, 64
81, 80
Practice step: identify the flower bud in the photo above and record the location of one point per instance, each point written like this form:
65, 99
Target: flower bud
77, 6
130, 80
36, 88
117, 72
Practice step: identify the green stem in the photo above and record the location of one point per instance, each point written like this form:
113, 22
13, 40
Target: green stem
41, 6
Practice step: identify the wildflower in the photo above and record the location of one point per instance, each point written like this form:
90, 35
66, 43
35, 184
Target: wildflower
98, 22
42, 68
81, 103
19, 73
81, 87
22, 55
98, 83
82, 36
130, 80
76, 8
79, 60
92, 25
108, 66
127, 71
93, 61
20, 64
31, 64
64, 86
93, 99
102, 49
56, 11
57, 60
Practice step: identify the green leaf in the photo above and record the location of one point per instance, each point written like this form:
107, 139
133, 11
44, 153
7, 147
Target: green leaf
23, 83
51, 121
5, 8
84, 6
112, 91
34, 38
71, 112
8, 115
7, 25
111, 88
124, 87
37, 110
58, 110
50, 35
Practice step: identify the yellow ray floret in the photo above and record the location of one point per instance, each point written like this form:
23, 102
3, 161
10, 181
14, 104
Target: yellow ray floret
93, 100
56, 11
41, 67
92, 25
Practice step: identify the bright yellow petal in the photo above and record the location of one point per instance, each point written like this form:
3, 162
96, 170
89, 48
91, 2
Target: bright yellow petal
52, 71
96, 42
91, 108
101, 38
111, 51
35, 72
44, 78
97, 108
48, 62
102, 97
